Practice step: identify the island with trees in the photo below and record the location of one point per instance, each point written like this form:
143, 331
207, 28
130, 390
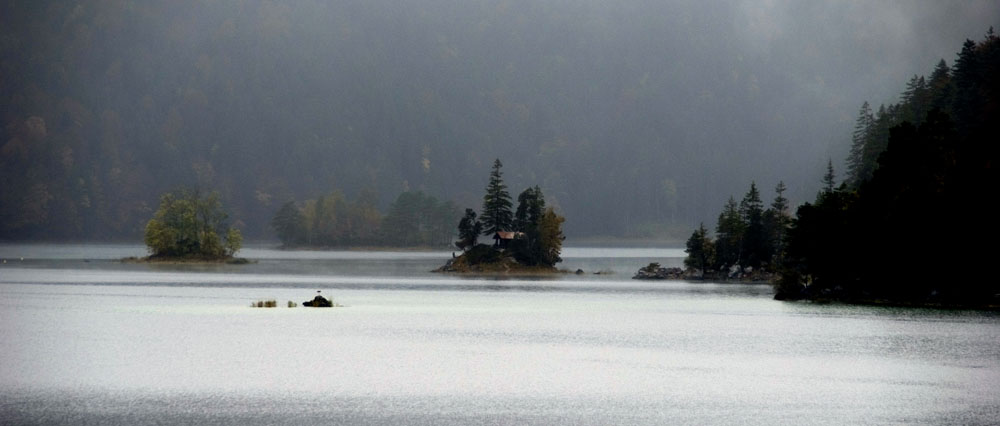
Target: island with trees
191, 227
527, 240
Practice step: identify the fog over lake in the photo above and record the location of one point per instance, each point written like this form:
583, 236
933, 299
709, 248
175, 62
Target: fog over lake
638, 118
154, 154
90, 340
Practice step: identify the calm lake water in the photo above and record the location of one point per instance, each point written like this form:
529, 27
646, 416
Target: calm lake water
87, 340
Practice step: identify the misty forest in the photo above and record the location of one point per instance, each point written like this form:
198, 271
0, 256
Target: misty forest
915, 172
638, 119
524, 212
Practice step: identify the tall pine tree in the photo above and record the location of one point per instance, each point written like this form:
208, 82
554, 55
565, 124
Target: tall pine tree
863, 128
729, 236
699, 249
468, 230
941, 88
496, 215
756, 249
776, 222
530, 207
829, 178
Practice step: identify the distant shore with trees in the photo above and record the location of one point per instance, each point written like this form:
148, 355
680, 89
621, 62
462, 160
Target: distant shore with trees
414, 219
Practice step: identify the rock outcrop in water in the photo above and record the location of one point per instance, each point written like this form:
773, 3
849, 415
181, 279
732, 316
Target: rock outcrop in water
487, 260
654, 271
318, 302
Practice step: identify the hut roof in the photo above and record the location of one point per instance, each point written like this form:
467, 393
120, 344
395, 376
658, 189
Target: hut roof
505, 235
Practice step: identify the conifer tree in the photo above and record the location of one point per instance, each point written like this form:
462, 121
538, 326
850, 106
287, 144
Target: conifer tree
729, 235
700, 251
829, 178
863, 128
755, 247
780, 203
915, 100
496, 215
776, 220
526, 247
468, 230
940, 87
550, 237
530, 206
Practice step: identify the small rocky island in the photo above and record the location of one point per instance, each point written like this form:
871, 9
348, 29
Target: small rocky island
654, 271
734, 273
485, 259
319, 302
527, 241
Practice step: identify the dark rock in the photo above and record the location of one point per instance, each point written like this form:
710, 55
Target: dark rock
319, 302
656, 272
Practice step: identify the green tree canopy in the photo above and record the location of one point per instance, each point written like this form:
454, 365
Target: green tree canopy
550, 237
289, 224
187, 224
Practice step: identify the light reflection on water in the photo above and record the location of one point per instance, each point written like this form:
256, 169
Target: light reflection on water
111, 343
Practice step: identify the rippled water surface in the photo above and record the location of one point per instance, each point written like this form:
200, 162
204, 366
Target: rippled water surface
88, 340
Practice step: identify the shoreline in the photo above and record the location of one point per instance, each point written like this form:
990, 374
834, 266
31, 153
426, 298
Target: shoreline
415, 249
993, 306
187, 260
499, 269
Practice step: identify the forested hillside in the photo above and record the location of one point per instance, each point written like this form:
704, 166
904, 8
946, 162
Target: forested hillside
632, 117
914, 229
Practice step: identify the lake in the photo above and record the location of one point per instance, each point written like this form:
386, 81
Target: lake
88, 340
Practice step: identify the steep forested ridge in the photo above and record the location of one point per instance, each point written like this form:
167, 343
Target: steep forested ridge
624, 114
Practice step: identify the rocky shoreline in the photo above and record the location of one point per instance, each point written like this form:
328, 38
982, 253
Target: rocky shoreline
503, 266
187, 260
735, 273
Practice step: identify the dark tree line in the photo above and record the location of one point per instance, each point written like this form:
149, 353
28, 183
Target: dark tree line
912, 226
414, 219
954, 91
746, 235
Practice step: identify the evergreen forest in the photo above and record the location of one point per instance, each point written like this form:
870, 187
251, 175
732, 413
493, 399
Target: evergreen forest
910, 222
